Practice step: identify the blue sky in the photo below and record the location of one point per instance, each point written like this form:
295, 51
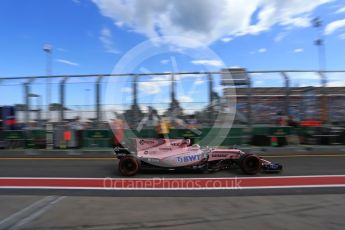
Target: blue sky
90, 37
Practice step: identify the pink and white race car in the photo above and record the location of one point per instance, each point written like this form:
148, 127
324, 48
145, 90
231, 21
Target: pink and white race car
179, 153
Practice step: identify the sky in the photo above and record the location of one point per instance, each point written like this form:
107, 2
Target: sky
123, 36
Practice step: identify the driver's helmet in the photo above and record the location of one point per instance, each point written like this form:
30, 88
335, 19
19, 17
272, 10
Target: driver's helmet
186, 142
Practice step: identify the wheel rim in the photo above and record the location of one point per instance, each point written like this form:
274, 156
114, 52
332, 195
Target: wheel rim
252, 164
129, 165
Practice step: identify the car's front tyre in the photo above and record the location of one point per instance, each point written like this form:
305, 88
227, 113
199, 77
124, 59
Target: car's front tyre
250, 164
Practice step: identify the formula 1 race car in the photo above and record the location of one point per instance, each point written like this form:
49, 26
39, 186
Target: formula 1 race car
179, 153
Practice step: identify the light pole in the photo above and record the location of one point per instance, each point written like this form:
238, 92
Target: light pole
320, 43
48, 49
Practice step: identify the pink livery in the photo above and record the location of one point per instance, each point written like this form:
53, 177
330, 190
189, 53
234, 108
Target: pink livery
179, 153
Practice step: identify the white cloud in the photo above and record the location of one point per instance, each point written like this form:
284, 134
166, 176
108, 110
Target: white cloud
305, 76
165, 61
298, 50
149, 88
258, 82
341, 10
280, 37
297, 22
339, 83
67, 62
235, 67
333, 26
215, 63
342, 36
226, 39
209, 20
185, 76
262, 50
126, 90
184, 99
256, 74
155, 84
119, 23
336, 79
199, 81
107, 41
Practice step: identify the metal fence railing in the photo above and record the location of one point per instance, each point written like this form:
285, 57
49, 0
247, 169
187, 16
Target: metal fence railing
95, 99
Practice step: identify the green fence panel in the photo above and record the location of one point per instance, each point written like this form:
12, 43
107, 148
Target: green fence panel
280, 131
309, 130
265, 131
14, 135
97, 138
14, 139
232, 141
146, 133
97, 134
36, 138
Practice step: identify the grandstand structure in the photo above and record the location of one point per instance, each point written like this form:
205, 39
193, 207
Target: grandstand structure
266, 102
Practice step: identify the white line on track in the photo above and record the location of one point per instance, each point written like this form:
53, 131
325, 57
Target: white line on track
29, 213
36, 213
170, 178
176, 189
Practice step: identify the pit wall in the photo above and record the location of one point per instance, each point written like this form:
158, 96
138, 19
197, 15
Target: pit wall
104, 138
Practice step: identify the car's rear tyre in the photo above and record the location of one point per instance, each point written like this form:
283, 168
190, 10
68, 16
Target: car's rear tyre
129, 166
250, 164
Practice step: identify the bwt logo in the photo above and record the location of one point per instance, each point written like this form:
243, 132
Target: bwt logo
188, 158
